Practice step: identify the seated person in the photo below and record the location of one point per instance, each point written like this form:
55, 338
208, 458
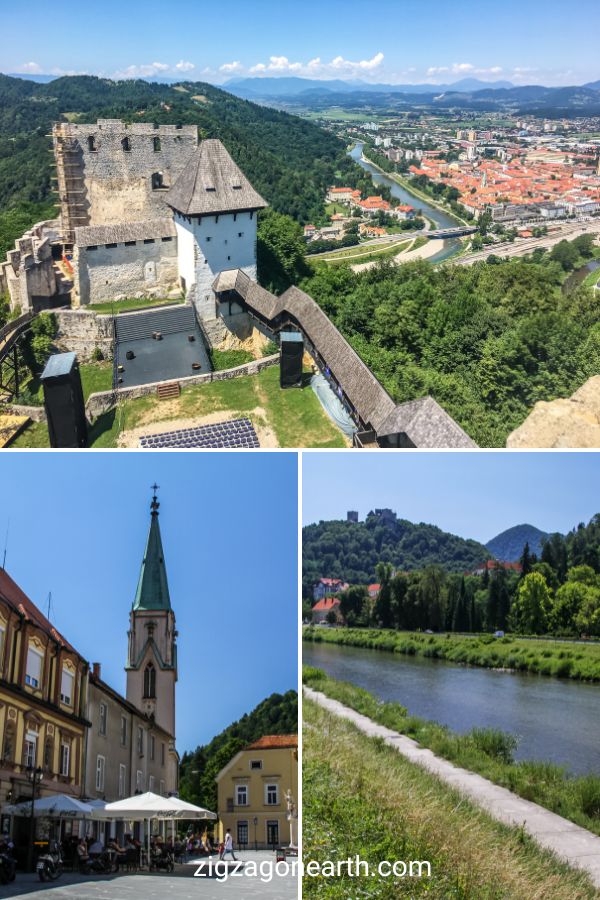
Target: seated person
96, 847
82, 851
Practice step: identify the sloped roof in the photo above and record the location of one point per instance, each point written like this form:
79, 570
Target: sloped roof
153, 588
93, 235
426, 424
326, 603
212, 183
424, 421
274, 742
15, 597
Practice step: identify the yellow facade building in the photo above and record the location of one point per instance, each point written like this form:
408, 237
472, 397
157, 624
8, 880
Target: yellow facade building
256, 790
43, 685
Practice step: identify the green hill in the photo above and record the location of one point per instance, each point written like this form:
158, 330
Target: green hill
508, 546
289, 160
278, 714
351, 550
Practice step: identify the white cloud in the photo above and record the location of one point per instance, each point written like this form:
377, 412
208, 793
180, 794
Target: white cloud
30, 68
142, 71
183, 66
314, 68
462, 69
228, 68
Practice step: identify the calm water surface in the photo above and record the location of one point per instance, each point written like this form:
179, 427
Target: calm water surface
554, 719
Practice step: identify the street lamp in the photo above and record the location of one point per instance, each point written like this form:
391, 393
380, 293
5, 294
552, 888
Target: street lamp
34, 776
255, 820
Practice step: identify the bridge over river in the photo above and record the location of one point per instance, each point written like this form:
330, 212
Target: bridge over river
461, 231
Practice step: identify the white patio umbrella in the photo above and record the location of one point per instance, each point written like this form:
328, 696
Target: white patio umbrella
54, 806
151, 806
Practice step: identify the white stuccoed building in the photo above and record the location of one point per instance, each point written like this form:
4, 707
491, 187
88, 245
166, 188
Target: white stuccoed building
214, 210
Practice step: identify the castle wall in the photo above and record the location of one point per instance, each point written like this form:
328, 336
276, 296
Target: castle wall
28, 275
208, 245
100, 182
83, 332
144, 268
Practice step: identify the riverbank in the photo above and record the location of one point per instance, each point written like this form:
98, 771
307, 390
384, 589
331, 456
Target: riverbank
361, 797
559, 659
487, 752
420, 195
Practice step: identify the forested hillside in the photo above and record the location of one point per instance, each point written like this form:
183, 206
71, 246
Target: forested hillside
352, 550
487, 341
289, 160
278, 714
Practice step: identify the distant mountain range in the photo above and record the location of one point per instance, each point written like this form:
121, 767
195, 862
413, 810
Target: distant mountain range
283, 86
468, 93
508, 546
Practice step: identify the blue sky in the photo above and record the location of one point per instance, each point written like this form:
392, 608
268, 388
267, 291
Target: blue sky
229, 524
539, 41
474, 495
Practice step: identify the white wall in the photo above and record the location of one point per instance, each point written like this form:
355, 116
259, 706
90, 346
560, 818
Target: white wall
208, 245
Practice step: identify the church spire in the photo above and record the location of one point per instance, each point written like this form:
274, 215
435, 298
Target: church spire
153, 587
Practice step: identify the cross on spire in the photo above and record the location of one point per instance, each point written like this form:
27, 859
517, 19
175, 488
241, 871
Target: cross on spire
155, 504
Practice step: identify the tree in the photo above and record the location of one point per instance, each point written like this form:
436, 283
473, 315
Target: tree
462, 617
383, 605
532, 607
352, 602
280, 250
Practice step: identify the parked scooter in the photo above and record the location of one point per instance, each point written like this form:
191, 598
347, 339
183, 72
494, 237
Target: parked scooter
7, 863
50, 865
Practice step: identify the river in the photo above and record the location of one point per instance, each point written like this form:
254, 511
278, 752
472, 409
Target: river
578, 277
554, 719
441, 219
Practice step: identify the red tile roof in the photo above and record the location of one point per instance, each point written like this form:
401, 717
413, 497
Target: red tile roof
326, 603
14, 596
274, 742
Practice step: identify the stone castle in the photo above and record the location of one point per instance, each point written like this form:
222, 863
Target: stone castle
145, 211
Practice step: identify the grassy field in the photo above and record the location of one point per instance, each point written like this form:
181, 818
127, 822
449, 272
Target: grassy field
360, 797
295, 417
562, 659
121, 306
487, 751
362, 254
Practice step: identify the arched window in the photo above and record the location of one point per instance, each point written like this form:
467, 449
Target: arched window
157, 181
92, 143
156, 142
149, 681
126, 144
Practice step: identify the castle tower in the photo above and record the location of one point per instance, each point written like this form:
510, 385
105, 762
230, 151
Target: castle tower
214, 207
152, 655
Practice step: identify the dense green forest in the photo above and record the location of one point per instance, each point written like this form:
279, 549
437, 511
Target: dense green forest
487, 341
557, 593
352, 550
290, 161
278, 714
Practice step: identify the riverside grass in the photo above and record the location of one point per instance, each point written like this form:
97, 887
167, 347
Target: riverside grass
483, 750
561, 659
360, 797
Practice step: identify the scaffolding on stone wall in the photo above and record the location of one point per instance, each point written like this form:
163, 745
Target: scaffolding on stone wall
70, 182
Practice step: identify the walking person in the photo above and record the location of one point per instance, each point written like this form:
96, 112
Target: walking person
228, 846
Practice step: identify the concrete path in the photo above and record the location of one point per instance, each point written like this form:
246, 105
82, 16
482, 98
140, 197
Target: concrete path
576, 846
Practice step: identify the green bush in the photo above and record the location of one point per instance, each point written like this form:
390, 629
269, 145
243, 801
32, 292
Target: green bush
497, 744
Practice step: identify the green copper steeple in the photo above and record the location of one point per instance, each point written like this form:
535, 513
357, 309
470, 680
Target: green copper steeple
153, 588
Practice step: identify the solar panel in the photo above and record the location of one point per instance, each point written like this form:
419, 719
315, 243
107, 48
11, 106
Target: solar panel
236, 433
